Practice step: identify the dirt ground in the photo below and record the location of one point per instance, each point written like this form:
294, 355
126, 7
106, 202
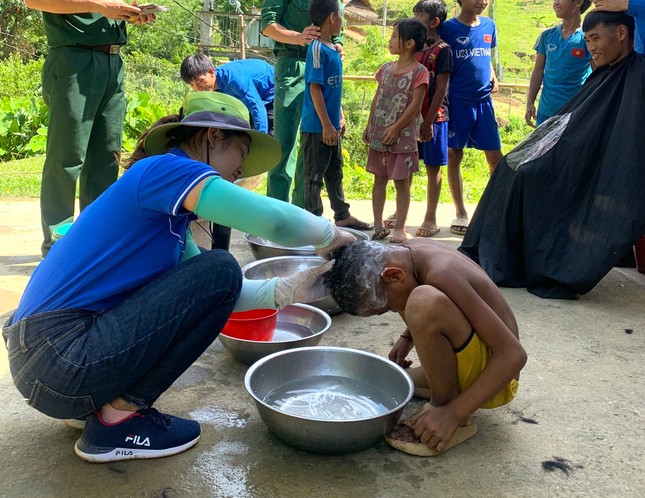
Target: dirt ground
575, 428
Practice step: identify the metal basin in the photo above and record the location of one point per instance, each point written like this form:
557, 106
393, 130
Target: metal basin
284, 266
262, 248
328, 400
297, 325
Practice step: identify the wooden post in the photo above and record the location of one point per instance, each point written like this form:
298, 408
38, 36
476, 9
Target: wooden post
206, 26
242, 38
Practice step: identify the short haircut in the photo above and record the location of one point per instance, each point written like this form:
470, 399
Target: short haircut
435, 9
194, 66
585, 5
412, 29
596, 17
320, 10
355, 278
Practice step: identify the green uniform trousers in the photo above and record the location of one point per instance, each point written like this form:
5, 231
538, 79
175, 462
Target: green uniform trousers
83, 90
287, 112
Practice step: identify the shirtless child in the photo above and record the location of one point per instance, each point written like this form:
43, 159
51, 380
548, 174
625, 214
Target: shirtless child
463, 329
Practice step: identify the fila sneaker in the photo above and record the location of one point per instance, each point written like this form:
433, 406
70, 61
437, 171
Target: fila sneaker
144, 434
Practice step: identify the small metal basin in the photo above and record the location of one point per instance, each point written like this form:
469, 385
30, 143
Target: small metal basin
297, 325
328, 400
284, 266
262, 248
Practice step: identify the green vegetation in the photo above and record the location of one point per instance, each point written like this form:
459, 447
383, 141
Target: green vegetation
154, 88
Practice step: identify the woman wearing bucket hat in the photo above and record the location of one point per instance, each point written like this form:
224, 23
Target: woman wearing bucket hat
125, 302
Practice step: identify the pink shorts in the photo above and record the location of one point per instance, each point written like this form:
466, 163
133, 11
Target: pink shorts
394, 166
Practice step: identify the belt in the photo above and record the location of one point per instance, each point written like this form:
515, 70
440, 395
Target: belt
295, 54
108, 49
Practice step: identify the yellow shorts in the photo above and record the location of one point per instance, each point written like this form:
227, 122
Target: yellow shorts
472, 358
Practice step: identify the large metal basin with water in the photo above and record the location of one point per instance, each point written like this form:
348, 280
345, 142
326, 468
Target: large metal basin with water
329, 400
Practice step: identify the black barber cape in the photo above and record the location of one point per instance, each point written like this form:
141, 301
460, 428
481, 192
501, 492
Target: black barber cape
568, 202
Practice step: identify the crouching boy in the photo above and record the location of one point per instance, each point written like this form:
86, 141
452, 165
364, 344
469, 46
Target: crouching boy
463, 329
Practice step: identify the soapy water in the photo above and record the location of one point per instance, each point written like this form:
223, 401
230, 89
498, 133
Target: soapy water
330, 398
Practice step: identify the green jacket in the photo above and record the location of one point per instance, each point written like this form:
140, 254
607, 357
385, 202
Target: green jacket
291, 14
83, 29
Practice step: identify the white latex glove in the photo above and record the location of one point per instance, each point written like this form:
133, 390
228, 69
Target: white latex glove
303, 287
341, 238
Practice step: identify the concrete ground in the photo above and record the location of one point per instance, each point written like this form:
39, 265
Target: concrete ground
580, 404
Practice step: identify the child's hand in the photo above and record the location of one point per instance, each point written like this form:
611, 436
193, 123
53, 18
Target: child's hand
436, 427
343, 128
330, 135
399, 352
366, 136
426, 132
391, 135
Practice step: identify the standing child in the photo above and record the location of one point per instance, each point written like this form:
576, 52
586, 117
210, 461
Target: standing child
393, 126
433, 136
323, 122
472, 117
561, 64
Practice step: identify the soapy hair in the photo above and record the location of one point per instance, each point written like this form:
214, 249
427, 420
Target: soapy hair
355, 279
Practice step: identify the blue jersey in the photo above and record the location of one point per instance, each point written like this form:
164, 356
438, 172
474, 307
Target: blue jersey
325, 68
566, 67
251, 81
131, 234
470, 82
636, 9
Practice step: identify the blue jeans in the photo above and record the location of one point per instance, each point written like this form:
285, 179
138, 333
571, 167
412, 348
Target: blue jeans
69, 363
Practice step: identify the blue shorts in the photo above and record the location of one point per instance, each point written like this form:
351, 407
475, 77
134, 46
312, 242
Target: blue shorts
473, 126
435, 152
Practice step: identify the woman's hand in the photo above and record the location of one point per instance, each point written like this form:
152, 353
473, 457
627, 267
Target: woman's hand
306, 286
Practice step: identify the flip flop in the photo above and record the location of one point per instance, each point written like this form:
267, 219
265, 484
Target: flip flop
427, 229
418, 448
390, 221
459, 226
380, 233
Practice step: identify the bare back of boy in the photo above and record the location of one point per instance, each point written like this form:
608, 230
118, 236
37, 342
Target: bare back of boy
444, 298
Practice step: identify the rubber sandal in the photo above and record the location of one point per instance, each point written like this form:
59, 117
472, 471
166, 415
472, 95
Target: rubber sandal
390, 221
427, 229
380, 233
459, 226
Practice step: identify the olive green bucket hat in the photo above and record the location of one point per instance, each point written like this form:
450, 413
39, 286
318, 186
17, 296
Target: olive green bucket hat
218, 110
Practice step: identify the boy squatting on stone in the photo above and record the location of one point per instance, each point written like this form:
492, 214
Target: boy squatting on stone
463, 329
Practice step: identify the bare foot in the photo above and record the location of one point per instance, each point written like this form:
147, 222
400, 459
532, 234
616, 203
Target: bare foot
399, 236
355, 223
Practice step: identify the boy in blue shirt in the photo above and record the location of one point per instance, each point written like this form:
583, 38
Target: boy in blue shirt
323, 122
472, 117
250, 80
561, 64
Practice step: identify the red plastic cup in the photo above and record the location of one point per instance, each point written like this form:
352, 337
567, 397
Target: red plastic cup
252, 325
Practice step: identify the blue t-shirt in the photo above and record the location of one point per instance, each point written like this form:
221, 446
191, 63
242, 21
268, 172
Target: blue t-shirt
566, 67
324, 67
131, 234
636, 9
470, 82
251, 81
